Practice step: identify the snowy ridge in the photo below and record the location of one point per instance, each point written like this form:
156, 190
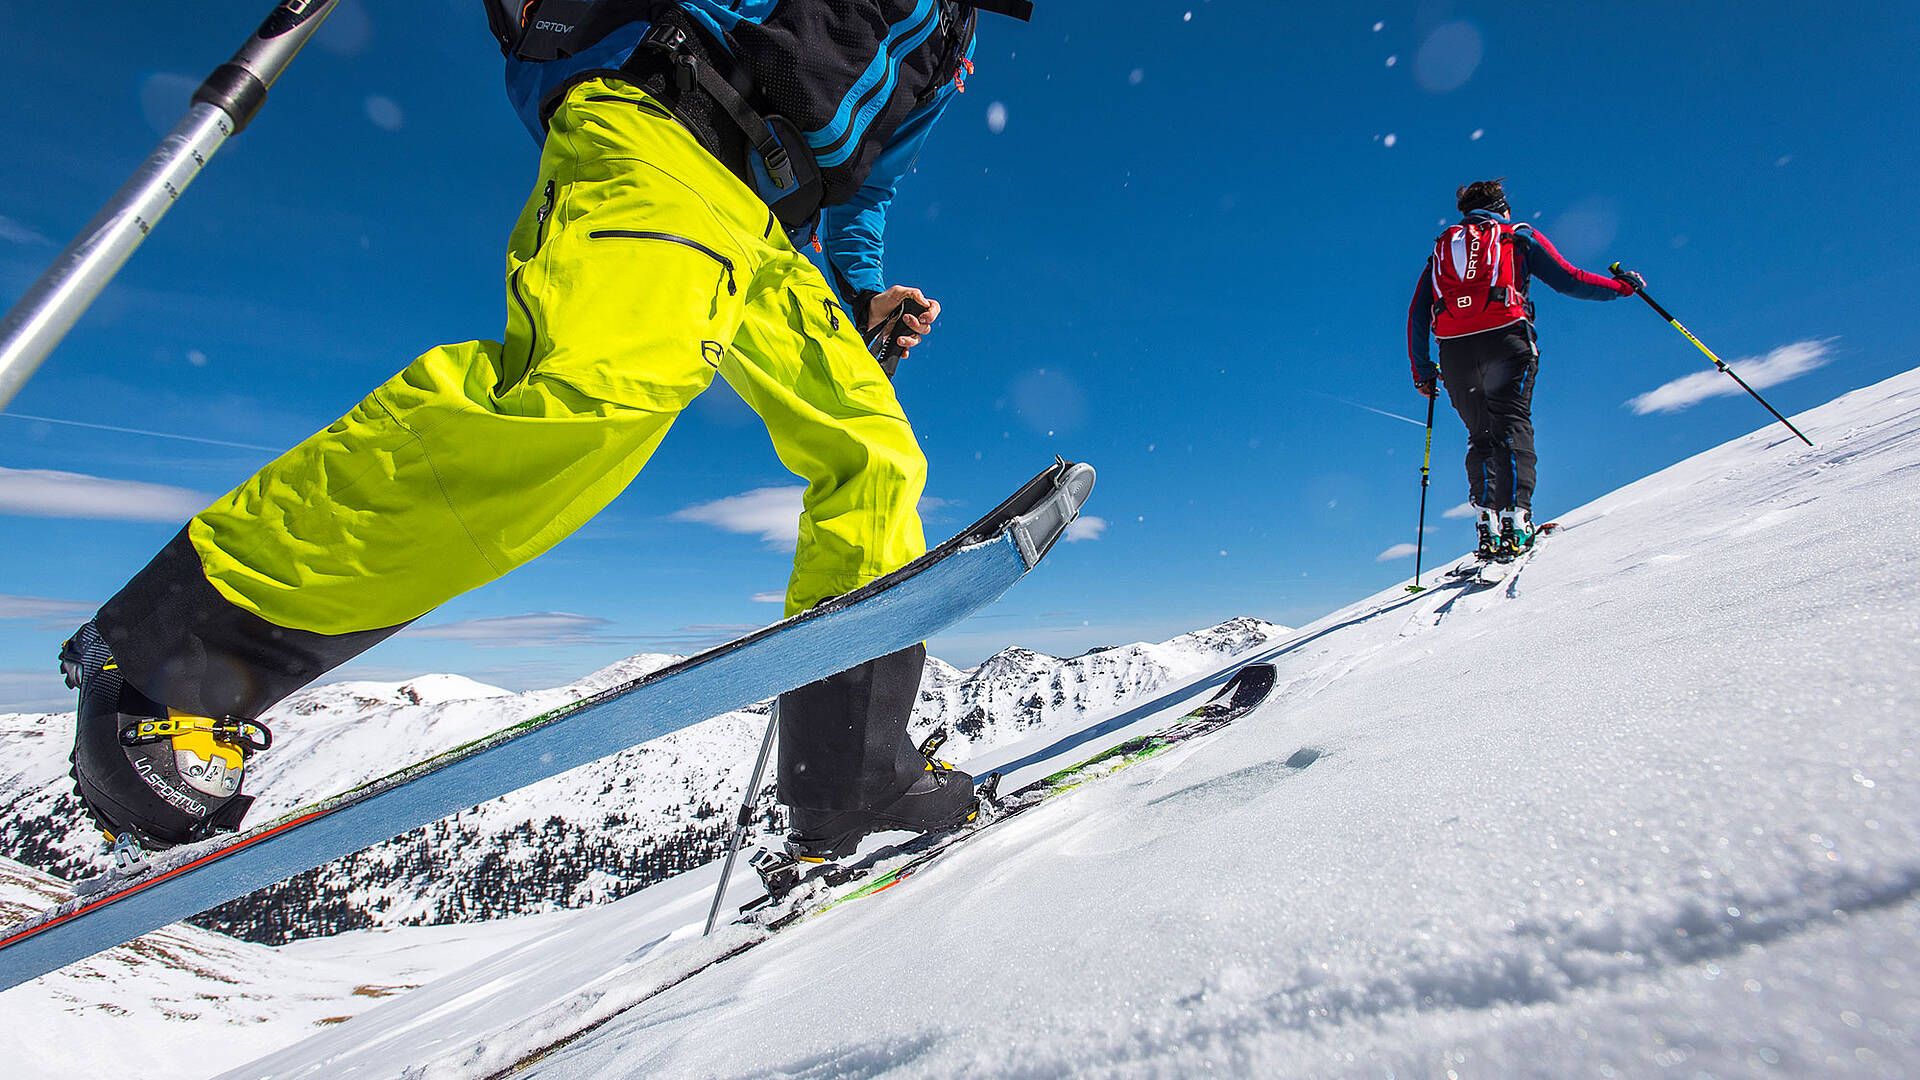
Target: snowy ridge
1651, 807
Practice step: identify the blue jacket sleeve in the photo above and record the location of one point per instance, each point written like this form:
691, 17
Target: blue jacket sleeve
1420, 324
852, 235
1545, 262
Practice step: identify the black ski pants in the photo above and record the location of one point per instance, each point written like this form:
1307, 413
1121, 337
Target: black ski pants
1489, 379
843, 740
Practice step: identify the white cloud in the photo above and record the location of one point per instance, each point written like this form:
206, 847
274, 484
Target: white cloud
769, 598
1464, 510
1776, 367
538, 629
15, 233
47, 493
34, 690
1397, 551
48, 615
773, 513
165, 97
1085, 527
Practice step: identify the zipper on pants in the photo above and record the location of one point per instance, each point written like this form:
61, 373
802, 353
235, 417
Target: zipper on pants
726, 264
540, 217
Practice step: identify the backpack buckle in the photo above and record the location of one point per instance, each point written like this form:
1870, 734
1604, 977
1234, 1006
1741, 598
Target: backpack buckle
668, 38
779, 169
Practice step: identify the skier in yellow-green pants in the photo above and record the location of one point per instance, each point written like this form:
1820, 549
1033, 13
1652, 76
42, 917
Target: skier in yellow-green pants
653, 253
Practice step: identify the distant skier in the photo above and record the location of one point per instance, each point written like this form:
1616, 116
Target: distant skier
687, 148
1472, 297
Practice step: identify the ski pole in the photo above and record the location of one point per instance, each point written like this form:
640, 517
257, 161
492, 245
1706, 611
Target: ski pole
1717, 362
745, 819
1426, 466
884, 343
222, 106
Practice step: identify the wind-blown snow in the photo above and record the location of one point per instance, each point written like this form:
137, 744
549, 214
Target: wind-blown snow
1651, 807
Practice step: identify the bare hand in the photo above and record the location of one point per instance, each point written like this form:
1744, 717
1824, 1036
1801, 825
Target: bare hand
911, 328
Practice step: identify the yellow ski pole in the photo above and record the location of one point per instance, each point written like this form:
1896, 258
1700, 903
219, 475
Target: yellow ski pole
1426, 466
1717, 362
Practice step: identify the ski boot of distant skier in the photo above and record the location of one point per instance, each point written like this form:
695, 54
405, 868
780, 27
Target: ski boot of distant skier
1489, 525
1516, 531
144, 770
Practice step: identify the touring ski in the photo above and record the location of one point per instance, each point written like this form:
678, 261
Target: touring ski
1482, 573
933, 592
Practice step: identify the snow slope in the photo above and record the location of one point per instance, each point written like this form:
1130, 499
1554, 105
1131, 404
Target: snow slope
1649, 808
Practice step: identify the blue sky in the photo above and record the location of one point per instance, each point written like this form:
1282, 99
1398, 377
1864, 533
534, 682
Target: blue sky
1177, 242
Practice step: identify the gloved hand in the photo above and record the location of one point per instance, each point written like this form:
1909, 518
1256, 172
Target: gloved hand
1427, 386
1631, 279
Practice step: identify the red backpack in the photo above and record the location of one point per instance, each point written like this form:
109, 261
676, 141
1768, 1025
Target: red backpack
1473, 280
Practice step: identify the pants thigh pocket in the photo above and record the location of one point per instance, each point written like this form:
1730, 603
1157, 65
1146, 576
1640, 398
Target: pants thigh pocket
831, 344
636, 316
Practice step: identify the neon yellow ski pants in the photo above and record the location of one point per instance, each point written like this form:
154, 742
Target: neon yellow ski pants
638, 269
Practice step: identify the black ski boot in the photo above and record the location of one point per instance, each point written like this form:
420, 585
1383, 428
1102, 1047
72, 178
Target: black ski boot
847, 767
941, 798
142, 769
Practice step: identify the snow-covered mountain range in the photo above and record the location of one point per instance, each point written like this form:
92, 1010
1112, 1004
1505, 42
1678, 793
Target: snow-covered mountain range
588, 836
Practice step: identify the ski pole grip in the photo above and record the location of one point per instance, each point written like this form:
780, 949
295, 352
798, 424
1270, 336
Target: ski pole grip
886, 342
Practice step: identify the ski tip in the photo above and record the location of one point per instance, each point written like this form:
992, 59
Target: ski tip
1041, 526
1250, 683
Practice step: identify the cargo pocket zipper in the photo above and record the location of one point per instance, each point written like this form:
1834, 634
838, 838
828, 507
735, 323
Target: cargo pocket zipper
671, 238
540, 217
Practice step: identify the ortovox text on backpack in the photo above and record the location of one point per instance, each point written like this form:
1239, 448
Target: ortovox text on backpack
1475, 280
